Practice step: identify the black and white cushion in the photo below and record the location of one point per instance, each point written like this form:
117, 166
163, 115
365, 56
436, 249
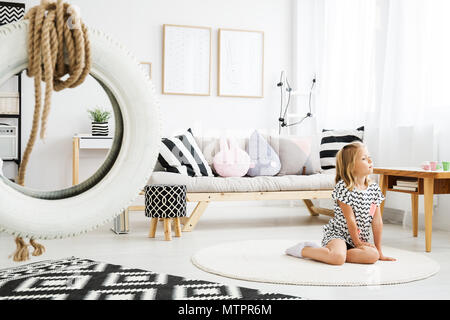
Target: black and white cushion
335, 140
11, 12
182, 155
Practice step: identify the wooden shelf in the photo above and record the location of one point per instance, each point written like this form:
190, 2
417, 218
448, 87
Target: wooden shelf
403, 191
392, 181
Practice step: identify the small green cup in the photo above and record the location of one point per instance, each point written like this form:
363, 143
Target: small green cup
446, 165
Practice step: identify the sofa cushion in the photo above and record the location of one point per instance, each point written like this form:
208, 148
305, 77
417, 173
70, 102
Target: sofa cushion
182, 155
265, 161
335, 140
211, 147
231, 161
295, 152
245, 184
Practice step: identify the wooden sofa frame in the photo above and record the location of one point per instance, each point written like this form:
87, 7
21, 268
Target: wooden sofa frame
204, 199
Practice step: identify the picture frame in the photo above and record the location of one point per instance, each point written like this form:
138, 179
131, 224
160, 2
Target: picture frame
148, 67
186, 60
241, 63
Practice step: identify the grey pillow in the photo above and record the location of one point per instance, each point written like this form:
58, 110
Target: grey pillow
296, 154
264, 160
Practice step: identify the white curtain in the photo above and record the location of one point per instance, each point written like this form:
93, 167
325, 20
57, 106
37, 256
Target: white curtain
413, 95
346, 62
384, 64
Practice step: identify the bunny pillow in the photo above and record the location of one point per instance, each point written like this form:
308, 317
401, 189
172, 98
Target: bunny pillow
231, 161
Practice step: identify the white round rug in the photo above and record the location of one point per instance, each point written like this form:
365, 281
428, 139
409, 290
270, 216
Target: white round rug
265, 261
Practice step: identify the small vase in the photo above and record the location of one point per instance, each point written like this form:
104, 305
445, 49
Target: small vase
100, 129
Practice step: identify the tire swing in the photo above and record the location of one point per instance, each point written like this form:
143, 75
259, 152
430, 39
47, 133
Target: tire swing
27, 213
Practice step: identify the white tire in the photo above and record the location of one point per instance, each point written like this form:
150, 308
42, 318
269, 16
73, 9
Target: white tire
65, 213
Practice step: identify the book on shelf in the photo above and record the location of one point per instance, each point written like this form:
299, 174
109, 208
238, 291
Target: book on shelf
406, 183
405, 188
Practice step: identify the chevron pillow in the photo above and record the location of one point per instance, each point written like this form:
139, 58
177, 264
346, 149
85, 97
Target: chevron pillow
335, 140
182, 155
11, 12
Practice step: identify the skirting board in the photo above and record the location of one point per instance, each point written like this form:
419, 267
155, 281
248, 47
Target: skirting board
394, 216
440, 222
404, 218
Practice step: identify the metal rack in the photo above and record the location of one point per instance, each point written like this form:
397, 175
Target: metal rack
19, 122
11, 12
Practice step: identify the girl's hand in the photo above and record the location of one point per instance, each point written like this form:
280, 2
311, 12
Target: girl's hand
383, 258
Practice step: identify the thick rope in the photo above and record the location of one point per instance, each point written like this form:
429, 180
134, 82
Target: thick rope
58, 45
21, 253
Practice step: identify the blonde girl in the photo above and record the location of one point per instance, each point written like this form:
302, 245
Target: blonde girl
346, 238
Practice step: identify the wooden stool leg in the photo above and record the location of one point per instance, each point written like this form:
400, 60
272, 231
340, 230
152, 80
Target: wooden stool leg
153, 225
177, 227
168, 229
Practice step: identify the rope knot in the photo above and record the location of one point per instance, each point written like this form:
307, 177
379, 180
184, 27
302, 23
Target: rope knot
21, 253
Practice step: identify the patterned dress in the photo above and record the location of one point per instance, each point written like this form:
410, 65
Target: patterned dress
364, 204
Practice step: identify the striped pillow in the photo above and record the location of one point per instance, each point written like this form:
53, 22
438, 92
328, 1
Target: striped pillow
182, 155
335, 140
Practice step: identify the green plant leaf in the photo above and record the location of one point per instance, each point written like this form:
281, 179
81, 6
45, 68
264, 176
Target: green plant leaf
99, 115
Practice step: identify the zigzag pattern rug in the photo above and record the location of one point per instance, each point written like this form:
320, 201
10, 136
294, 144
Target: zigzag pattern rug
82, 279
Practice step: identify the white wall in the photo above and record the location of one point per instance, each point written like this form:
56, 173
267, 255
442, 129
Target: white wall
138, 25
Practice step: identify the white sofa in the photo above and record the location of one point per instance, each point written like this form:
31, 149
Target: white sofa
203, 190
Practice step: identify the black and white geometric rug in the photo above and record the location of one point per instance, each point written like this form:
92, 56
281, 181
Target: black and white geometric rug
82, 279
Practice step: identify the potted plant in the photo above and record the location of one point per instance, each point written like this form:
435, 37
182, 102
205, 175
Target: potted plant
100, 118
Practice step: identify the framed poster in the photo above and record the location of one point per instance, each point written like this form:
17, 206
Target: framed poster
186, 60
241, 63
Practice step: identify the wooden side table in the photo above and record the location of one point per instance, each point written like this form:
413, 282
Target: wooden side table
86, 141
430, 183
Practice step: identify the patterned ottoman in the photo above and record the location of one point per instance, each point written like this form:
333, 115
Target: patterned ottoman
166, 202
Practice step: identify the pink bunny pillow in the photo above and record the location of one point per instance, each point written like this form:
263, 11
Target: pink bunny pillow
231, 161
